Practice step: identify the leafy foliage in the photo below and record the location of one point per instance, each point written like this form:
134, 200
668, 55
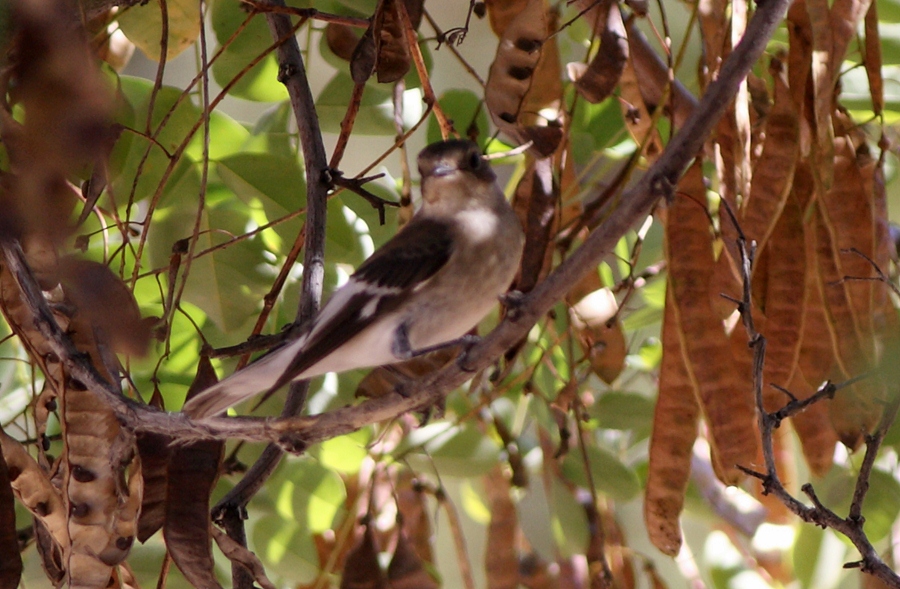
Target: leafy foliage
152, 224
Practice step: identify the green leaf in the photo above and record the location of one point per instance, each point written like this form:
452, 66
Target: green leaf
882, 505
806, 553
624, 411
260, 83
649, 356
376, 109
653, 293
835, 490
568, 521
276, 182
345, 454
129, 151
468, 115
342, 240
610, 475
271, 133
227, 285
286, 548
226, 137
643, 317
595, 127
142, 24
455, 450
888, 13
318, 493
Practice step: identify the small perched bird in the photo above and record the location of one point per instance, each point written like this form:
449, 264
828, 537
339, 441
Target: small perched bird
427, 286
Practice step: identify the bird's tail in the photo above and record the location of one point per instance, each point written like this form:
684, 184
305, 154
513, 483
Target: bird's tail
257, 378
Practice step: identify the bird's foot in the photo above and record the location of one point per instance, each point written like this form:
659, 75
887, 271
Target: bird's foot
464, 360
513, 301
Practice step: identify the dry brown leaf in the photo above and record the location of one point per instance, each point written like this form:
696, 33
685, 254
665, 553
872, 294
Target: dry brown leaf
638, 118
524, 78
513, 67
725, 286
852, 412
872, 59
502, 12
598, 79
715, 28
364, 57
727, 406
773, 173
105, 303
49, 552
823, 92
535, 201
341, 40
671, 442
11, 561
361, 569
386, 380
406, 570
799, 58
501, 560
383, 47
34, 491
813, 427
393, 52
154, 451
96, 453
848, 215
847, 221
785, 300
413, 507
845, 16
816, 357
192, 474
653, 76
726, 142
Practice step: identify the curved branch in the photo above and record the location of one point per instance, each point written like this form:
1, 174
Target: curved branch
295, 433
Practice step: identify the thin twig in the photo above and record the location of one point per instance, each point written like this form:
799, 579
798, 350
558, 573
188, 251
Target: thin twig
355, 185
412, 39
308, 13
292, 73
819, 514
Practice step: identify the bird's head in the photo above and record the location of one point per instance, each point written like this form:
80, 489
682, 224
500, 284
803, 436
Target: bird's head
454, 172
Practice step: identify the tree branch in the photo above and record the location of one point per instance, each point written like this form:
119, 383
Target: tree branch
296, 433
292, 73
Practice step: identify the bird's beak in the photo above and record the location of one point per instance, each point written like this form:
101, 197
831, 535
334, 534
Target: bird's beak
442, 168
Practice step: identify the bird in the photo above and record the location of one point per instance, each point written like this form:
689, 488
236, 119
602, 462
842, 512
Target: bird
425, 288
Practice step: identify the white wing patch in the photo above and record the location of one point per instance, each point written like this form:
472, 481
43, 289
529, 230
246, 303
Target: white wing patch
343, 296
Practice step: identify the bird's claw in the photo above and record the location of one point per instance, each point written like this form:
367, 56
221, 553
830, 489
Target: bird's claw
513, 301
464, 359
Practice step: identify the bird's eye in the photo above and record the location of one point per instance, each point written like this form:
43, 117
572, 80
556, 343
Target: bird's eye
474, 160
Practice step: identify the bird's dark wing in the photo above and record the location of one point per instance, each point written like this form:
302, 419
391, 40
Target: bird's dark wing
379, 286
411, 257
